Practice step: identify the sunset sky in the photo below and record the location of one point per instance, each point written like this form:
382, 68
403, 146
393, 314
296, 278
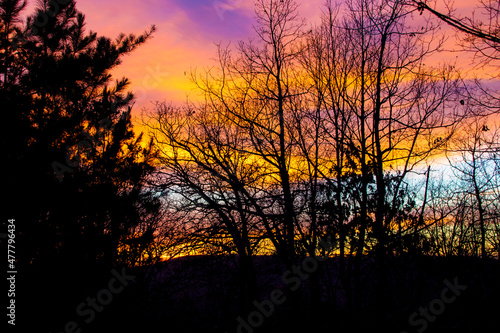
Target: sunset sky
187, 31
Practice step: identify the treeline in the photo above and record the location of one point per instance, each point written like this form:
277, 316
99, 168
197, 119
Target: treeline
341, 132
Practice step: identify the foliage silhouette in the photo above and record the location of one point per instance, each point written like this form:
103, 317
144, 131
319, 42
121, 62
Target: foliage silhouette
76, 171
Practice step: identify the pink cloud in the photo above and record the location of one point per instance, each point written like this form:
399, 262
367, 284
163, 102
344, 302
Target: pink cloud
185, 37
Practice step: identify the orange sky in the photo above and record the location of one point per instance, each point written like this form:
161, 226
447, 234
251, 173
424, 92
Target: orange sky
186, 33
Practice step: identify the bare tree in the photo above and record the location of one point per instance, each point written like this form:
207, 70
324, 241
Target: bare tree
383, 111
204, 170
473, 158
256, 91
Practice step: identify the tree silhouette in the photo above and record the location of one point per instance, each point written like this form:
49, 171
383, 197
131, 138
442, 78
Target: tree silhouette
303, 137
76, 171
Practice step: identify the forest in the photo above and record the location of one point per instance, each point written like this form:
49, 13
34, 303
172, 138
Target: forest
340, 177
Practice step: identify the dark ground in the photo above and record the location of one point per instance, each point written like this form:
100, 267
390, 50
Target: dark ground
200, 294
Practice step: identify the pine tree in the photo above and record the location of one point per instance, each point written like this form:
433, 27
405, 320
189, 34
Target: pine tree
75, 169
